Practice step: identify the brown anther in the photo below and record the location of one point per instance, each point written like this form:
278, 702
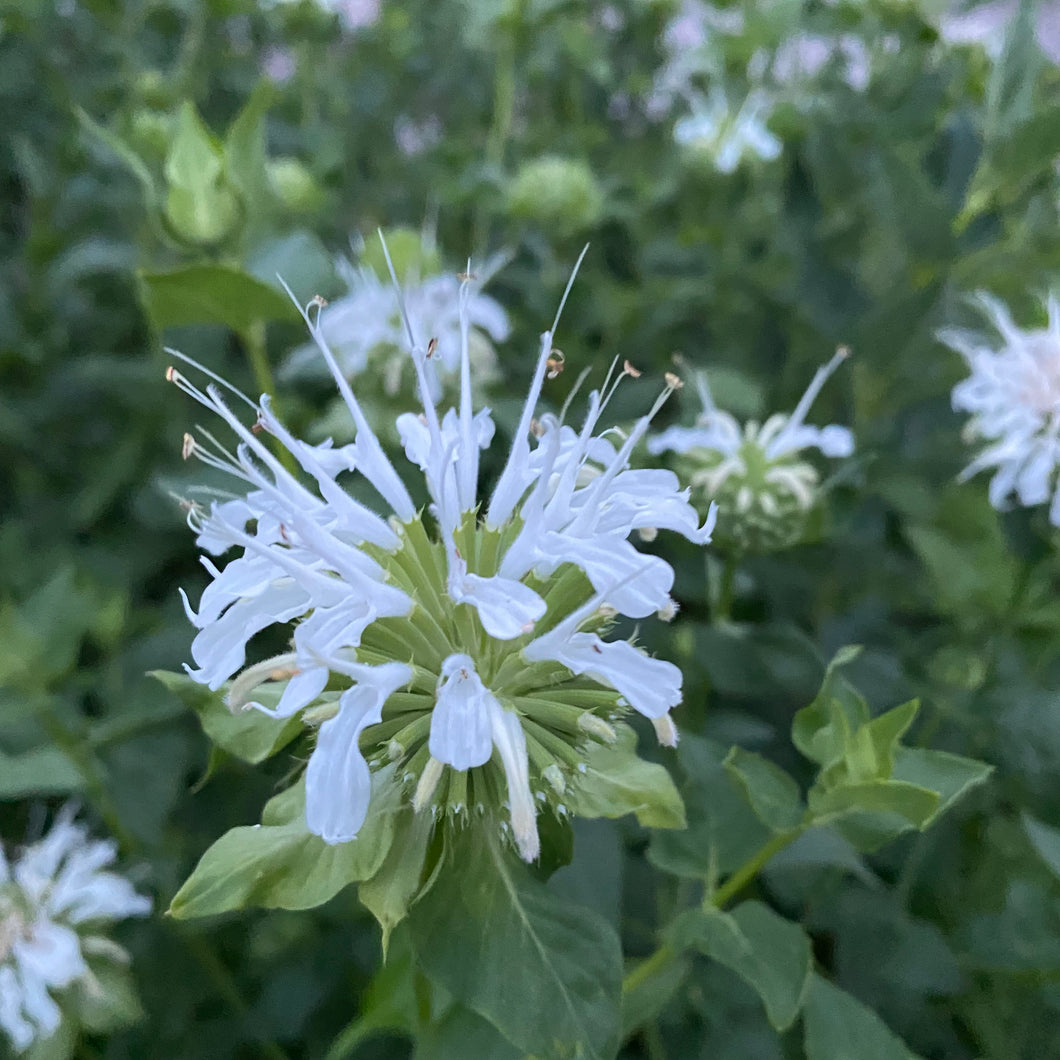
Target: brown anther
282, 673
598, 649
629, 370
555, 363
188, 448
463, 673
319, 301
843, 351
257, 428
283, 533
172, 375
432, 348
674, 382
464, 277
537, 428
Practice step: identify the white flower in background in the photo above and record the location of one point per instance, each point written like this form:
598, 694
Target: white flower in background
472, 638
987, 24
54, 899
1013, 397
365, 331
803, 56
689, 43
729, 136
413, 138
763, 489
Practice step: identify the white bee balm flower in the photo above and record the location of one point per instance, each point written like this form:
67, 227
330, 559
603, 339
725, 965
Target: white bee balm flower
54, 898
763, 489
1013, 397
471, 637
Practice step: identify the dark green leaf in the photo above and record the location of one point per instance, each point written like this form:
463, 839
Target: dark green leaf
838, 1027
773, 794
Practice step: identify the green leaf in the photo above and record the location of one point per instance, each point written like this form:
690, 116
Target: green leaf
544, 972
283, 866
886, 730
874, 812
822, 730
771, 954
837, 1027
390, 892
212, 294
772, 793
127, 154
723, 831
248, 734
461, 1034
649, 996
244, 148
42, 771
1045, 839
951, 776
616, 782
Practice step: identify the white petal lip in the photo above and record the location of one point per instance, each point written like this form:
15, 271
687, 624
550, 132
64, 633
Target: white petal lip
506, 608
338, 781
461, 733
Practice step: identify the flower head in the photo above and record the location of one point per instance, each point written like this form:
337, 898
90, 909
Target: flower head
754, 473
53, 899
467, 639
729, 136
1013, 397
366, 332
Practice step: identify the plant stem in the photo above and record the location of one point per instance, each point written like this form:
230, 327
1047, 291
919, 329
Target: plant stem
726, 591
351, 1036
718, 899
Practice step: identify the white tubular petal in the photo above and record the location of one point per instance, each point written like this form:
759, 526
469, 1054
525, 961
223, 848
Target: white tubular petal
511, 746
38, 1004
12, 1022
338, 782
665, 730
683, 439
461, 734
50, 955
102, 896
833, 441
506, 608
634, 584
651, 686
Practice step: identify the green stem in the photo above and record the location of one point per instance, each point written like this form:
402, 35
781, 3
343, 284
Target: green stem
351, 1036
726, 591
718, 899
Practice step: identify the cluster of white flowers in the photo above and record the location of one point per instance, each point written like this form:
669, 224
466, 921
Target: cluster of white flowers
985, 25
1013, 397
472, 633
729, 135
753, 473
54, 898
804, 55
365, 327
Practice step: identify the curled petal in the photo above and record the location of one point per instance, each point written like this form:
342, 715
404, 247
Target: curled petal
460, 724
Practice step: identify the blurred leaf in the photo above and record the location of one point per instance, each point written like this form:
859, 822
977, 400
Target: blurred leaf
244, 149
952, 776
484, 917
1046, 841
212, 294
838, 1027
460, 1034
42, 771
821, 731
107, 1000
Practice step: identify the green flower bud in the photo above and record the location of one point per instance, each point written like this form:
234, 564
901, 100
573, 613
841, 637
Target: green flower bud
561, 194
294, 185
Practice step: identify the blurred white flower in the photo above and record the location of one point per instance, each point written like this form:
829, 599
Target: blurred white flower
802, 57
986, 25
472, 632
726, 136
413, 138
278, 64
1013, 396
365, 328
54, 898
754, 473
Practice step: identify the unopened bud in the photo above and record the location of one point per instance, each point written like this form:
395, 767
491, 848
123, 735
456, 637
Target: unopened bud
665, 730
553, 776
597, 727
432, 773
319, 714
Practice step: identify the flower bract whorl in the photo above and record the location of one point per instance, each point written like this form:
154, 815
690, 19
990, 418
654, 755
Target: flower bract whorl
54, 900
763, 489
1013, 396
466, 640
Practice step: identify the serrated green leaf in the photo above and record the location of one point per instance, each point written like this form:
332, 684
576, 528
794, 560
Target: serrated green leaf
42, 771
951, 776
212, 294
772, 793
248, 734
547, 974
283, 866
913, 803
616, 782
838, 1027
771, 954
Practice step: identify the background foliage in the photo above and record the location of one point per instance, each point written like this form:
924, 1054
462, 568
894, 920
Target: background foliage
162, 161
